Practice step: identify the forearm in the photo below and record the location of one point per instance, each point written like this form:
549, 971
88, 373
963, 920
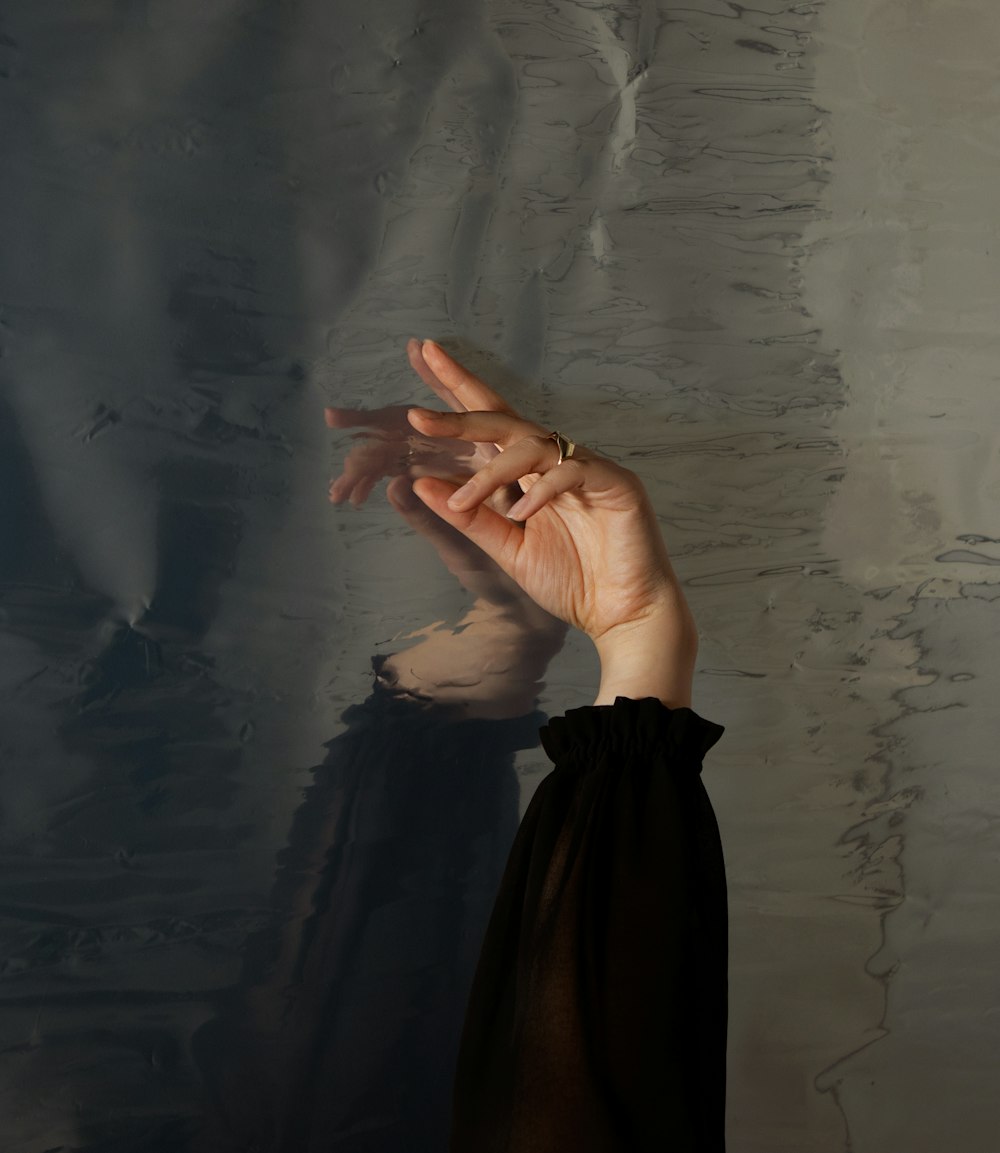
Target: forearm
654, 657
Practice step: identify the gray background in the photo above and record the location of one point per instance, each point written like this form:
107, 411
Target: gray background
748, 251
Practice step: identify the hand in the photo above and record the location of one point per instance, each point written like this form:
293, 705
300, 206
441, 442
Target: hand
582, 541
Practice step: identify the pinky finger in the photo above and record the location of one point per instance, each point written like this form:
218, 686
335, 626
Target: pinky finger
363, 490
563, 478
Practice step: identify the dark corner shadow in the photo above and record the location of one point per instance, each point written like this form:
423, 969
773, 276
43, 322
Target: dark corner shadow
343, 1030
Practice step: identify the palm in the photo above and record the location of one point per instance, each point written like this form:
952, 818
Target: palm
590, 559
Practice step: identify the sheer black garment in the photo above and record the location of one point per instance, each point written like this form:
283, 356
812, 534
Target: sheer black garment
597, 1018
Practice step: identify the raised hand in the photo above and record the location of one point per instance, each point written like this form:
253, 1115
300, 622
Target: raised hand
582, 540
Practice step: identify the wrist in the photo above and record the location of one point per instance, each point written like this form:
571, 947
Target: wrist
651, 657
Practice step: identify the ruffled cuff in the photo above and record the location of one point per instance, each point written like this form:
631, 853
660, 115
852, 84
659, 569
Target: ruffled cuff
628, 728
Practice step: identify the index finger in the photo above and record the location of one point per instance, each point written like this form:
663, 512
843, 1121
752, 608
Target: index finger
414, 352
453, 383
502, 429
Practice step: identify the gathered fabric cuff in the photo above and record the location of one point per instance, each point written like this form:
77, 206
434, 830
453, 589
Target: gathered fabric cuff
585, 737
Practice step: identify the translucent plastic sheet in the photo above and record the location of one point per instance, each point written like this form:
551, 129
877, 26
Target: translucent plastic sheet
747, 251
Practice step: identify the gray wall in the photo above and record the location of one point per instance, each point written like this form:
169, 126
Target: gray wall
749, 252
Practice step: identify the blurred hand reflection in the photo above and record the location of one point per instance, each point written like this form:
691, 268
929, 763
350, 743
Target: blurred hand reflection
490, 664
386, 445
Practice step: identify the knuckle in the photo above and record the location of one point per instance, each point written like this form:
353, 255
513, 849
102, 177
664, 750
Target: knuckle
538, 440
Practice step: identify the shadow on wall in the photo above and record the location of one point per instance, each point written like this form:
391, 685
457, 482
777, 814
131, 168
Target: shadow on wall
193, 175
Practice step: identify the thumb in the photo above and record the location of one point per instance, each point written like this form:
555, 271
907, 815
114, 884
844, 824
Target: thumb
498, 537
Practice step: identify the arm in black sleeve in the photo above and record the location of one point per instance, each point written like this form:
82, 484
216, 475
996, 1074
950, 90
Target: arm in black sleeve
597, 1020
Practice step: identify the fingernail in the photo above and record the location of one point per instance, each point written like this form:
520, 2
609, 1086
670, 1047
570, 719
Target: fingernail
457, 499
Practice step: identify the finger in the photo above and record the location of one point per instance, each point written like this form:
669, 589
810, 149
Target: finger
341, 488
370, 457
456, 454
498, 537
530, 455
471, 393
423, 370
348, 485
405, 501
485, 427
502, 500
363, 490
566, 477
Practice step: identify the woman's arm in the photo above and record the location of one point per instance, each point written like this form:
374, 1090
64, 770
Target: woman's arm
597, 1019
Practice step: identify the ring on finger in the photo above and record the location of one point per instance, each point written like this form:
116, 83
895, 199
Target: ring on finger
566, 447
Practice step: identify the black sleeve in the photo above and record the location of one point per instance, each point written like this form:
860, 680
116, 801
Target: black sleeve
597, 1019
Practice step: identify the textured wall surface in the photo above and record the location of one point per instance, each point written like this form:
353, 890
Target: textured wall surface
749, 251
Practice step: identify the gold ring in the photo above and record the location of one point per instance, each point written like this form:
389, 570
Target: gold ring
566, 447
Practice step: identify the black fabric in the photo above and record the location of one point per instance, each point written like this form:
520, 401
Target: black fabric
597, 1018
